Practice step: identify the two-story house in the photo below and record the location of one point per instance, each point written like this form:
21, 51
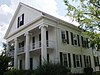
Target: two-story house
34, 36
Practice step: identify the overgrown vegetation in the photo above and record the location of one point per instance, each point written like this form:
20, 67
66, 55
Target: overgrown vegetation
4, 60
46, 69
87, 14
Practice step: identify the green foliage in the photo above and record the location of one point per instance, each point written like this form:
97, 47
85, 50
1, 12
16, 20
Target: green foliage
52, 69
87, 13
4, 60
19, 72
46, 69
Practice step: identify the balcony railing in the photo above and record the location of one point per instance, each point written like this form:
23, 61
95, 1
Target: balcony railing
21, 49
50, 44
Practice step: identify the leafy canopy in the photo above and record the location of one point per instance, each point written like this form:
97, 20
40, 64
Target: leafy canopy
87, 13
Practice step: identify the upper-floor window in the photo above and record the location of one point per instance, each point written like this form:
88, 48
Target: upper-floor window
75, 39
65, 36
21, 44
84, 42
20, 21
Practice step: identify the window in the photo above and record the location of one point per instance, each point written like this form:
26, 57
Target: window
75, 39
65, 59
20, 21
65, 37
87, 61
77, 60
96, 61
21, 44
84, 42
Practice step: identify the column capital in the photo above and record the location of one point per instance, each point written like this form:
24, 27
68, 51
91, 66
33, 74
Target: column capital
27, 34
43, 25
16, 39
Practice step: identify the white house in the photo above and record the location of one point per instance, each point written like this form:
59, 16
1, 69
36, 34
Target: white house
38, 36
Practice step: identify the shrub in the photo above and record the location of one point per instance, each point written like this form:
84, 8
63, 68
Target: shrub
51, 69
19, 72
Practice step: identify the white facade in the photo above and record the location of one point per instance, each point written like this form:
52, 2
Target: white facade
41, 37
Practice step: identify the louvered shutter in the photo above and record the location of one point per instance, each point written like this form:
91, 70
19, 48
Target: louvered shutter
74, 62
85, 60
47, 57
67, 36
81, 60
78, 40
69, 59
22, 19
82, 41
61, 58
95, 61
72, 38
90, 60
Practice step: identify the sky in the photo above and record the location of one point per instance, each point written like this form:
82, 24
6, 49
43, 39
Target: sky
8, 7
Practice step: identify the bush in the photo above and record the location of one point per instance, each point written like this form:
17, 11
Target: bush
45, 69
4, 60
51, 69
19, 72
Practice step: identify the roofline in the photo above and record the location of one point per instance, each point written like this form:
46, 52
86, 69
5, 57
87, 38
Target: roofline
58, 19
44, 14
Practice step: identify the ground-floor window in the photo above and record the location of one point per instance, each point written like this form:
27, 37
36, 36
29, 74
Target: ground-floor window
96, 61
65, 59
87, 61
77, 60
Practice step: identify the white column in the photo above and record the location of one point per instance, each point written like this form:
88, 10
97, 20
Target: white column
15, 54
27, 47
43, 44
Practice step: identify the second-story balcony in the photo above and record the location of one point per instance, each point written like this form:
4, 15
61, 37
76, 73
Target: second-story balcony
37, 45
21, 49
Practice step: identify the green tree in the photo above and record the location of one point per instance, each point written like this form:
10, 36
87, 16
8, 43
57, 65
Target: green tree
4, 60
87, 14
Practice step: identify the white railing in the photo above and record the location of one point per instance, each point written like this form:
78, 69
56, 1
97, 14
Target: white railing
50, 44
21, 49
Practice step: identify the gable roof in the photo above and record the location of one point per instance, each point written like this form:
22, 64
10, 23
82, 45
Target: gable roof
15, 14
43, 14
